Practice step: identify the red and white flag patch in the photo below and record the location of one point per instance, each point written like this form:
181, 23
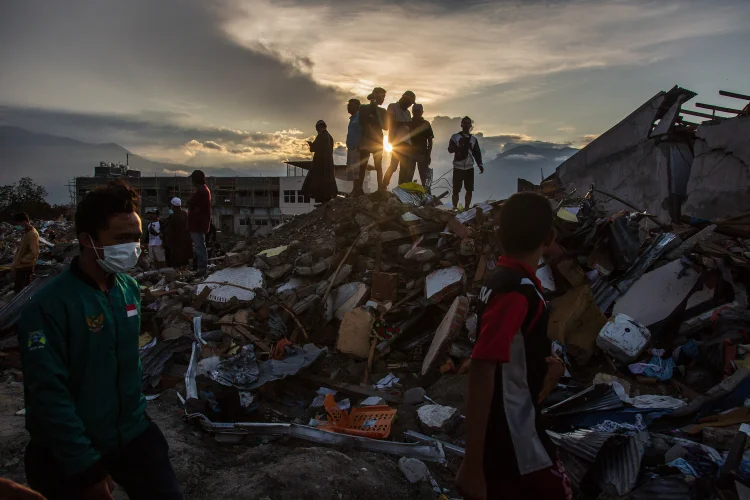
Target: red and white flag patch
132, 310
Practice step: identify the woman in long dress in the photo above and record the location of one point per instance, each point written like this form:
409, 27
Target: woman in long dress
320, 182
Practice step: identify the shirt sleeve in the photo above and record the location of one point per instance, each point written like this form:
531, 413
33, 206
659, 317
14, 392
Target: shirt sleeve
51, 416
501, 320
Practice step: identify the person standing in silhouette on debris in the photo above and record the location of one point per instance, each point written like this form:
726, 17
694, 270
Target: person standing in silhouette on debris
27, 253
199, 219
156, 253
373, 119
177, 242
320, 182
420, 132
78, 337
399, 119
353, 140
466, 153
513, 369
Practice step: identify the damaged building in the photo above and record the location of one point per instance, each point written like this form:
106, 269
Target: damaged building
668, 165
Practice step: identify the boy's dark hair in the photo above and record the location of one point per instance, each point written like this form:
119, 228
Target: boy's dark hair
21, 217
525, 222
467, 118
93, 213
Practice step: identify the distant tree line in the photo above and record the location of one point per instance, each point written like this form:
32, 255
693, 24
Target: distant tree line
27, 196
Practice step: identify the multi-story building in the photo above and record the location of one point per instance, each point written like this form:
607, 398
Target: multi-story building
253, 203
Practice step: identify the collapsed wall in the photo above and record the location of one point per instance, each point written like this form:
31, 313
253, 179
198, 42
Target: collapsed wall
720, 177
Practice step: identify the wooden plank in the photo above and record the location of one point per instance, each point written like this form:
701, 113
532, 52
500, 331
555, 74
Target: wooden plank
719, 108
351, 388
734, 95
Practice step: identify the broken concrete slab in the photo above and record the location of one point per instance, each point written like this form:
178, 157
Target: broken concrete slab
703, 235
387, 236
438, 418
424, 255
249, 278
656, 294
318, 268
414, 396
274, 256
343, 273
414, 470
449, 328
444, 283
575, 321
278, 272
354, 333
356, 299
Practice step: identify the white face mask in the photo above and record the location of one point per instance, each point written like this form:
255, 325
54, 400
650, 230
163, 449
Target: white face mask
118, 258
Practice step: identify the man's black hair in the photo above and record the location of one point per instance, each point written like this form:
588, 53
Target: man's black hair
467, 118
21, 217
93, 213
355, 101
198, 177
526, 220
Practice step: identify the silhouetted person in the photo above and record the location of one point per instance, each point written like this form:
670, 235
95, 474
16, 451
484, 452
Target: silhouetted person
373, 120
27, 252
156, 255
320, 182
466, 153
353, 140
199, 219
177, 241
421, 143
398, 136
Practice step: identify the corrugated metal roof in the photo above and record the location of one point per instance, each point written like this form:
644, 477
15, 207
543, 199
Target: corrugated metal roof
13, 309
618, 467
663, 488
595, 398
574, 467
583, 443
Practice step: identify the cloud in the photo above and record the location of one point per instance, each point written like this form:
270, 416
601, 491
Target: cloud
586, 139
525, 157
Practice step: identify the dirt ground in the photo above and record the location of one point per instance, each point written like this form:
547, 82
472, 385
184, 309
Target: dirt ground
279, 470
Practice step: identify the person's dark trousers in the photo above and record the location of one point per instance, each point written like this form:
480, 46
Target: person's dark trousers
201, 252
23, 278
397, 158
423, 166
142, 468
406, 171
377, 158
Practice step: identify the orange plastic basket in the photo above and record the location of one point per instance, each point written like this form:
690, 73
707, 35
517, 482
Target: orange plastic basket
372, 422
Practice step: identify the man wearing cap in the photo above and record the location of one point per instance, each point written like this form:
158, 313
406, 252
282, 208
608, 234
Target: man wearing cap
421, 136
199, 219
466, 153
177, 242
353, 139
373, 120
398, 136
156, 255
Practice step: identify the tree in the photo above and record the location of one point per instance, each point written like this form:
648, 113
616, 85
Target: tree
24, 196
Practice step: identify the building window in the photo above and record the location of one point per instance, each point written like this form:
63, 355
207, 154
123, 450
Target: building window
150, 192
261, 222
290, 197
275, 222
243, 222
301, 198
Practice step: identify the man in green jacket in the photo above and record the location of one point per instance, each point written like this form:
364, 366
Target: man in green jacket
85, 410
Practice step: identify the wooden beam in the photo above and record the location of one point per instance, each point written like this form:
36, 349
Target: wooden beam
702, 115
719, 108
734, 95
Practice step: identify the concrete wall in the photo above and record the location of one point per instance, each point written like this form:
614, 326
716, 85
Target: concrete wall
719, 183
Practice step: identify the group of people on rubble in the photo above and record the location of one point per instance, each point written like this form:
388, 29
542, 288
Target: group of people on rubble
411, 141
183, 235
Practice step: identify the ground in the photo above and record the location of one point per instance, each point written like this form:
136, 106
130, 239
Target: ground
277, 470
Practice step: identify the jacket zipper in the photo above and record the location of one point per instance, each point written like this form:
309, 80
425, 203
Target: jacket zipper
117, 370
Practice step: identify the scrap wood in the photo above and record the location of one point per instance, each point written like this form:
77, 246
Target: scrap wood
389, 397
198, 302
249, 336
718, 391
417, 291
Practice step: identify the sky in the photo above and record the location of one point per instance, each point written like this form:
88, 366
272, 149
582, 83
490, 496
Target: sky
241, 83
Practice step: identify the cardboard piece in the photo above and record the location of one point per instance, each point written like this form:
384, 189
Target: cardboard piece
575, 320
572, 272
384, 286
449, 328
354, 333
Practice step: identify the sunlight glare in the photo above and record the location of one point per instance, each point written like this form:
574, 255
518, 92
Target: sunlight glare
387, 145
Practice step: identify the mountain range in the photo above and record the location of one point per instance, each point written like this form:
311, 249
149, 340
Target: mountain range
53, 161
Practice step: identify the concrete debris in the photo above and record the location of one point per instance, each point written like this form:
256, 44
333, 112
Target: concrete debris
414, 470
354, 333
438, 418
449, 328
414, 396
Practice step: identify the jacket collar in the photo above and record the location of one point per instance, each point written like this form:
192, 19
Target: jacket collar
75, 268
512, 263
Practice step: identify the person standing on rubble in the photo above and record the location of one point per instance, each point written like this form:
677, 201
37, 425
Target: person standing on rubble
513, 369
27, 252
177, 242
399, 138
320, 182
199, 220
466, 153
373, 119
353, 140
156, 253
85, 411
420, 132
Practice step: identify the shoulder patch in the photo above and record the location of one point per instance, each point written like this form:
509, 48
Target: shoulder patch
37, 340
